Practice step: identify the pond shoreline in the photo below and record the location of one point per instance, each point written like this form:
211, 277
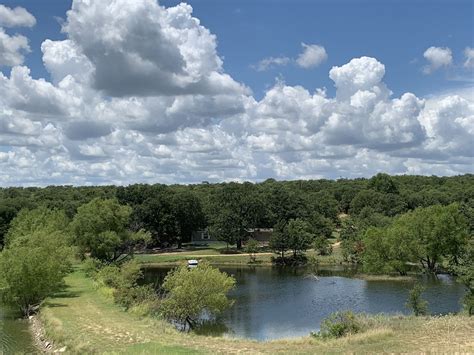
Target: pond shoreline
90, 322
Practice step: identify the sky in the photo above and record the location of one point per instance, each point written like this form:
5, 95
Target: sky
121, 91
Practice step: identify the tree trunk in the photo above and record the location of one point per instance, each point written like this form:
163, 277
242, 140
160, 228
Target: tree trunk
239, 244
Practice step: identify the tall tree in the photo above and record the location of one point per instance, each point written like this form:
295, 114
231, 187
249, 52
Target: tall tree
100, 228
236, 209
33, 267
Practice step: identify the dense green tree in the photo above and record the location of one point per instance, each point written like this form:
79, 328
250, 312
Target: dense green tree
434, 232
299, 236
193, 292
100, 228
464, 269
43, 219
322, 245
188, 215
321, 226
235, 212
156, 215
32, 267
383, 183
279, 241
386, 250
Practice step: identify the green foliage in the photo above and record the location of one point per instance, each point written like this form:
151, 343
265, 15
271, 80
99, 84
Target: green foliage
386, 250
235, 211
251, 247
191, 292
426, 236
321, 226
299, 236
100, 228
415, 302
339, 324
383, 183
41, 219
279, 239
32, 268
322, 245
433, 233
123, 281
464, 269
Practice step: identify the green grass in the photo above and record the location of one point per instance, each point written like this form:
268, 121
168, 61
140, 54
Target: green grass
214, 256
87, 321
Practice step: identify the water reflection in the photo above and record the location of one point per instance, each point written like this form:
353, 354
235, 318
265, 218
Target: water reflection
273, 303
15, 336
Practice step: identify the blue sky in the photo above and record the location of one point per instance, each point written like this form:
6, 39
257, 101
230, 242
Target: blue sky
136, 91
396, 32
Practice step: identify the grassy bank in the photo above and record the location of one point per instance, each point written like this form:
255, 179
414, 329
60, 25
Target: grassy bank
215, 254
85, 320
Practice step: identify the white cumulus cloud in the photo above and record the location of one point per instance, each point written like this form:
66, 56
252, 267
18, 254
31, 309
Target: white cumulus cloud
17, 17
312, 56
437, 57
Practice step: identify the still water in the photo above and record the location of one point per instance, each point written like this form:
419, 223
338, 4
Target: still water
14, 334
272, 303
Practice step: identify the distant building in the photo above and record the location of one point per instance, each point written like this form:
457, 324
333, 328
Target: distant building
262, 235
201, 236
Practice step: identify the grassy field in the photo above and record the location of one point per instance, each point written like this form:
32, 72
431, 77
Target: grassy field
214, 254
87, 321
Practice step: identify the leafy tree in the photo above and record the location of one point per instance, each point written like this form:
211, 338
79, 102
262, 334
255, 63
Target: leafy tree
32, 267
383, 183
193, 292
299, 236
279, 241
321, 226
464, 269
100, 228
156, 215
322, 245
42, 219
435, 232
351, 240
188, 214
386, 250
235, 212
415, 302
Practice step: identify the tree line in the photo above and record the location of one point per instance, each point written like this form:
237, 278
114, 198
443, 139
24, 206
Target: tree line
387, 223
171, 212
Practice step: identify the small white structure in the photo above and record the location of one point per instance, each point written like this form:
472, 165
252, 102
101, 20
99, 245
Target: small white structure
192, 263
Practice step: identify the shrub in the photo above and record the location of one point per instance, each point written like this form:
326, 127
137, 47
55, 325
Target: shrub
322, 246
418, 305
251, 247
91, 266
129, 297
193, 292
339, 324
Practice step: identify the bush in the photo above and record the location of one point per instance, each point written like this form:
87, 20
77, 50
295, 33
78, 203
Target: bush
194, 292
122, 282
135, 296
109, 276
418, 305
91, 266
322, 246
339, 324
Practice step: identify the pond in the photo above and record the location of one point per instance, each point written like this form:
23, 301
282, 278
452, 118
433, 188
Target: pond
15, 336
272, 303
